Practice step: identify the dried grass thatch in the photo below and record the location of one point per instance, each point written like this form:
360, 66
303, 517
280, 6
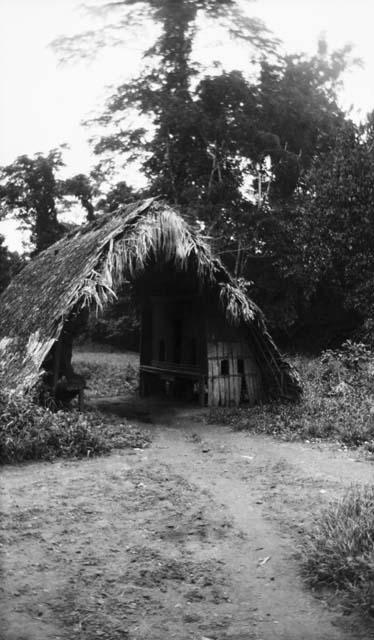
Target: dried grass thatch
87, 267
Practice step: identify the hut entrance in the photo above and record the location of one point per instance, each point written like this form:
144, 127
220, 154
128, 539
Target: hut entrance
172, 354
188, 348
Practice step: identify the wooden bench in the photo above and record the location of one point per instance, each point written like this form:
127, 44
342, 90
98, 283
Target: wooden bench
171, 371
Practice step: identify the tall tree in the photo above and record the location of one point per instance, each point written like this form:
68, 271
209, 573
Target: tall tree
29, 189
119, 194
321, 242
10, 264
201, 129
211, 135
230, 148
126, 17
298, 103
336, 213
83, 189
32, 192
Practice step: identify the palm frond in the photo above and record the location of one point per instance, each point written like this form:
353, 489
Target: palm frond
86, 269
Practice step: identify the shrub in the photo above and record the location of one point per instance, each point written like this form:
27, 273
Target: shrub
338, 402
338, 551
107, 377
32, 432
121, 435
351, 364
118, 325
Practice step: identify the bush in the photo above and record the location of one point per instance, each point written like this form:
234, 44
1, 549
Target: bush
118, 326
351, 364
32, 432
338, 402
339, 550
107, 376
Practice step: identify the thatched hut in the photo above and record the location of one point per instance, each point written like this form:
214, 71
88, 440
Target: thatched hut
201, 336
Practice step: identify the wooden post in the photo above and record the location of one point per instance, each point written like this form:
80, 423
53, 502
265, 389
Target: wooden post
56, 365
202, 391
81, 399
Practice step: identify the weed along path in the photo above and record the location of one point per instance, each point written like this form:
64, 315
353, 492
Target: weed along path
193, 537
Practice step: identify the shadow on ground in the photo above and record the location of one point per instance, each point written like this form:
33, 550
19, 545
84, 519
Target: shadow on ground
148, 410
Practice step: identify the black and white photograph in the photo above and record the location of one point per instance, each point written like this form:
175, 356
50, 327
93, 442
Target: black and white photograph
186, 320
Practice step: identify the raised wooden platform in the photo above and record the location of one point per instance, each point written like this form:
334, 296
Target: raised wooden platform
172, 371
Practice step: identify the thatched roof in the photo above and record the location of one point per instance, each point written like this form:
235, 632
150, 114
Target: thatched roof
88, 266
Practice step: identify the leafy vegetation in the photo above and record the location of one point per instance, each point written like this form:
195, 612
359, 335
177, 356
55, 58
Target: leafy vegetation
330, 259
32, 432
246, 153
338, 552
338, 402
118, 325
205, 135
29, 189
262, 157
10, 264
32, 192
108, 374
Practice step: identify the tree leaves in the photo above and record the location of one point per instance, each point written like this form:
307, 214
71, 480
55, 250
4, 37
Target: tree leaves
29, 189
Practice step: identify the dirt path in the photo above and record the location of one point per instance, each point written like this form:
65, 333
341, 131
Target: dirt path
191, 538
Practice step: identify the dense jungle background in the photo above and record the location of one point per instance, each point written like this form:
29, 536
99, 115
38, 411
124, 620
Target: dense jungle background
266, 163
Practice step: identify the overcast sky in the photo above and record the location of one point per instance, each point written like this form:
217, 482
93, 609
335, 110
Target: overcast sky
43, 103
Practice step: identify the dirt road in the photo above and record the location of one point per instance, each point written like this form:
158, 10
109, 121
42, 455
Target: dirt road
192, 538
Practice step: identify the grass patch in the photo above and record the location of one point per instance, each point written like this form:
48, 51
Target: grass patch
338, 402
122, 435
107, 373
338, 552
31, 432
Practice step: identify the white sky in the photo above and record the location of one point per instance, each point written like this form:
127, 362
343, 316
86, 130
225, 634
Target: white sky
42, 104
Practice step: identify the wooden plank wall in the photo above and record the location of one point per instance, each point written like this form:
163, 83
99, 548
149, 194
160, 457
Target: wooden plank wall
226, 389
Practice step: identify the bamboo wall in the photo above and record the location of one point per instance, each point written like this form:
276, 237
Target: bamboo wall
233, 374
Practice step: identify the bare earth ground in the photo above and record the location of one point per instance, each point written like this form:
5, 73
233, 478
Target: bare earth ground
194, 537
